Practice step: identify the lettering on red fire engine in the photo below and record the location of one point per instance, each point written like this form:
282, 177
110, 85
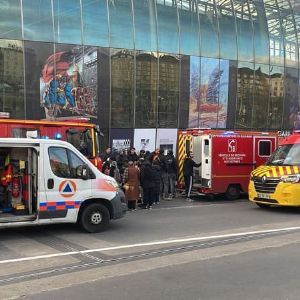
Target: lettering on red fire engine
232, 158
232, 145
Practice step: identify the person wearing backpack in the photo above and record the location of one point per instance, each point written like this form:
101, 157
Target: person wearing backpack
172, 171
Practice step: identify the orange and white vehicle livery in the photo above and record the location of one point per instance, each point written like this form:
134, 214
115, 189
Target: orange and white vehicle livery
278, 181
50, 181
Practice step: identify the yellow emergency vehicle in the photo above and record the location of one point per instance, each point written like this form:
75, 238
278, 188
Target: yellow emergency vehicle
277, 183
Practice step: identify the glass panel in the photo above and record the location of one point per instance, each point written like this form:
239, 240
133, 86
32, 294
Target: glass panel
184, 92
261, 96
189, 30
59, 162
145, 25
209, 92
75, 162
261, 38
37, 18
244, 30
276, 97
208, 28
146, 90
167, 26
195, 91
227, 28
232, 94
122, 87
10, 20
121, 27
290, 33
168, 90
275, 33
67, 21
95, 23
245, 85
223, 92
12, 78
291, 103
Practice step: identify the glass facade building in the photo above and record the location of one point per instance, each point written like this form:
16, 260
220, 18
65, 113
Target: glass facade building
131, 64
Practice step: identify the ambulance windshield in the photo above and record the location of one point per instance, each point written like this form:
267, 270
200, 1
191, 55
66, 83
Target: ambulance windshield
286, 155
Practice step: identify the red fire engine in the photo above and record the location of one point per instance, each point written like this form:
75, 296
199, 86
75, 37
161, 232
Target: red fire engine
227, 158
79, 132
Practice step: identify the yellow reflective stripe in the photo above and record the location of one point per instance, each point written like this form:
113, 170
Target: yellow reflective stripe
296, 170
274, 172
281, 171
288, 170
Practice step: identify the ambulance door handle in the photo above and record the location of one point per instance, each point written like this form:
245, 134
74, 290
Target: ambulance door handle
206, 161
50, 184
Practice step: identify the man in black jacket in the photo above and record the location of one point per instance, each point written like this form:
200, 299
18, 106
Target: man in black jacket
188, 168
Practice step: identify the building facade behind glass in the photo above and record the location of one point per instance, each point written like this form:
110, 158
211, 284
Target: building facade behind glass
131, 64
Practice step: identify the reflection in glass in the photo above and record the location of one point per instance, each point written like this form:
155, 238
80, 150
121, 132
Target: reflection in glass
121, 26
291, 104
146, 90
276, 97
95, 23
261, 96
10, 20
145, 25
244, 31
168, 90
189, 31
290, 33
167, 26
12, 78
122, 86
37, 20
245, 85
261, 39
208, 28
223, 93
275, 33
67, 21
227, 29
208, 106
194, 102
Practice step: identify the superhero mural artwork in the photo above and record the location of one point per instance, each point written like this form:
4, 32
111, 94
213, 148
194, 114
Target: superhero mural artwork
68, 83
208, 92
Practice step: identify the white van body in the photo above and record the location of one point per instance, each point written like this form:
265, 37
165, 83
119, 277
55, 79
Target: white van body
61, 186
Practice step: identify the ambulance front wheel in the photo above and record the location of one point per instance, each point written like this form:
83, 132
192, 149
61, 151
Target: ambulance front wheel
233, 192
94, 218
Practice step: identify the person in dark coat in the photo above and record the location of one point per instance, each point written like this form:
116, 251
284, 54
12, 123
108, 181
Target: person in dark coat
188, 168
147, 183
132, 156
105, 155
172, 170
157, 177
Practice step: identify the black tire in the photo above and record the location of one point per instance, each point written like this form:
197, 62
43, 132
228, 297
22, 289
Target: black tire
262, 205
94, 218
233, 192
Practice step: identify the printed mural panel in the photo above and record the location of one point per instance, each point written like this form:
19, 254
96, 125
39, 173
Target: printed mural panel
209, 79
167, 139
68, 82
144, 139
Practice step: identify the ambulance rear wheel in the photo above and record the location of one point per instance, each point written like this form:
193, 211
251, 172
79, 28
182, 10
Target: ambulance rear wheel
233, 192
94, 218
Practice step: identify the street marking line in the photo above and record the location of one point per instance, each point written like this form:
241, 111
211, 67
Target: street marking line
163, 242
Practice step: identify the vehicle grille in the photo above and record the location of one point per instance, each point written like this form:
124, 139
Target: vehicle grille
268, 186
266, 200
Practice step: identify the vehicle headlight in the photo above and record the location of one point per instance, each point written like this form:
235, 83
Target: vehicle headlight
291, 178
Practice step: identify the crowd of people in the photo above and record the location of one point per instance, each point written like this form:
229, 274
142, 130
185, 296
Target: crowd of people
145, 177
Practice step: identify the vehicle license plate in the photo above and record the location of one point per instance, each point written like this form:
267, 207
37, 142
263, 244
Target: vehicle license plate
263, 196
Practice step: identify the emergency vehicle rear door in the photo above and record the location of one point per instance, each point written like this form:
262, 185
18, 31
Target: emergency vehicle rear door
197, 151
64, 189
206, 160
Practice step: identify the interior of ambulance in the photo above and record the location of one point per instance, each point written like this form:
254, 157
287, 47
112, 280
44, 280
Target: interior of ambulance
18, 185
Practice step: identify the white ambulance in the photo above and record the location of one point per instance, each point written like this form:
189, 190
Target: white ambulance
50, 181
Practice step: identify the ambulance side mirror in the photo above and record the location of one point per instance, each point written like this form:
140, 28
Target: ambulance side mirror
83, 172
